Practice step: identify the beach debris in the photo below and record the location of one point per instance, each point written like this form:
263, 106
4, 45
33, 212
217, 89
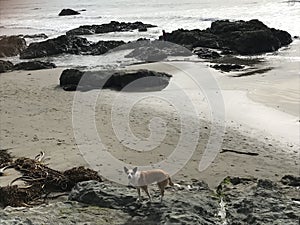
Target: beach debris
239, 152
5, 158
40, 181
4, 168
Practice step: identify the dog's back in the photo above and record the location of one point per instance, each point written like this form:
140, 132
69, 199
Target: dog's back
153, 176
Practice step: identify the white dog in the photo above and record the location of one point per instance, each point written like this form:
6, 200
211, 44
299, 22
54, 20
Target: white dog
141, 180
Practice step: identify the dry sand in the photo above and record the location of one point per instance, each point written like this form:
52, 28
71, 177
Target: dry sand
36, 115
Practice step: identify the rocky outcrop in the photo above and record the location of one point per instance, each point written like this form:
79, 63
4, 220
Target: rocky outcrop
237, 201
11, 46
72, 79
154, 51
31, 65
68, 12
61, 44
259, 201
101, 47
113, 26
34, 65
67, 212
196, 205
243, 37
67, 44
5, 66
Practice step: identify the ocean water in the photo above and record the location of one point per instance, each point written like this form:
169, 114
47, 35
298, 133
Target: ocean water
41, 16
35, 16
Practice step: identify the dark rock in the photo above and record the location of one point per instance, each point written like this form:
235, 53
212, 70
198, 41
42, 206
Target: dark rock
61, 44
148, 54
67, 44
72, 79
206, 53
143, 29
68, 12
102, 47
260, 201
154, 51
11, 46
227, 67
33, 65
193, 38
42, 35
5, 66
113, 26
226, 51
291, 180
198, 206
243, 37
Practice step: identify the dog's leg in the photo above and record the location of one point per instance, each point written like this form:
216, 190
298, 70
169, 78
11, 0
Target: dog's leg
139, 194
145, 188
161, 186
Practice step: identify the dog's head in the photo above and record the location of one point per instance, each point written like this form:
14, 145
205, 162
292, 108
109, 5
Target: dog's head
130, 172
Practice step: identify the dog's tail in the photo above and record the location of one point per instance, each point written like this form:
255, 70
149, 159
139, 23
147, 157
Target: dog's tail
170, 181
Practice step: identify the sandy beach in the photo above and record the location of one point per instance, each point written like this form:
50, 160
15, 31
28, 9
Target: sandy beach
36, 115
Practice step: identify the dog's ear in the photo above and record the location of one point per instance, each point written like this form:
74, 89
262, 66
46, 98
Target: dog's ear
125, 169
134, 169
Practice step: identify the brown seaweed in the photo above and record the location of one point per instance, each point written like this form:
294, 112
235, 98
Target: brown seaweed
41, 181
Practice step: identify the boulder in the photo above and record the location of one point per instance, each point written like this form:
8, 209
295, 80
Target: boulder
34, 65
72, 79
11, 46
242, 37
5, 66
68, 12
113, 26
